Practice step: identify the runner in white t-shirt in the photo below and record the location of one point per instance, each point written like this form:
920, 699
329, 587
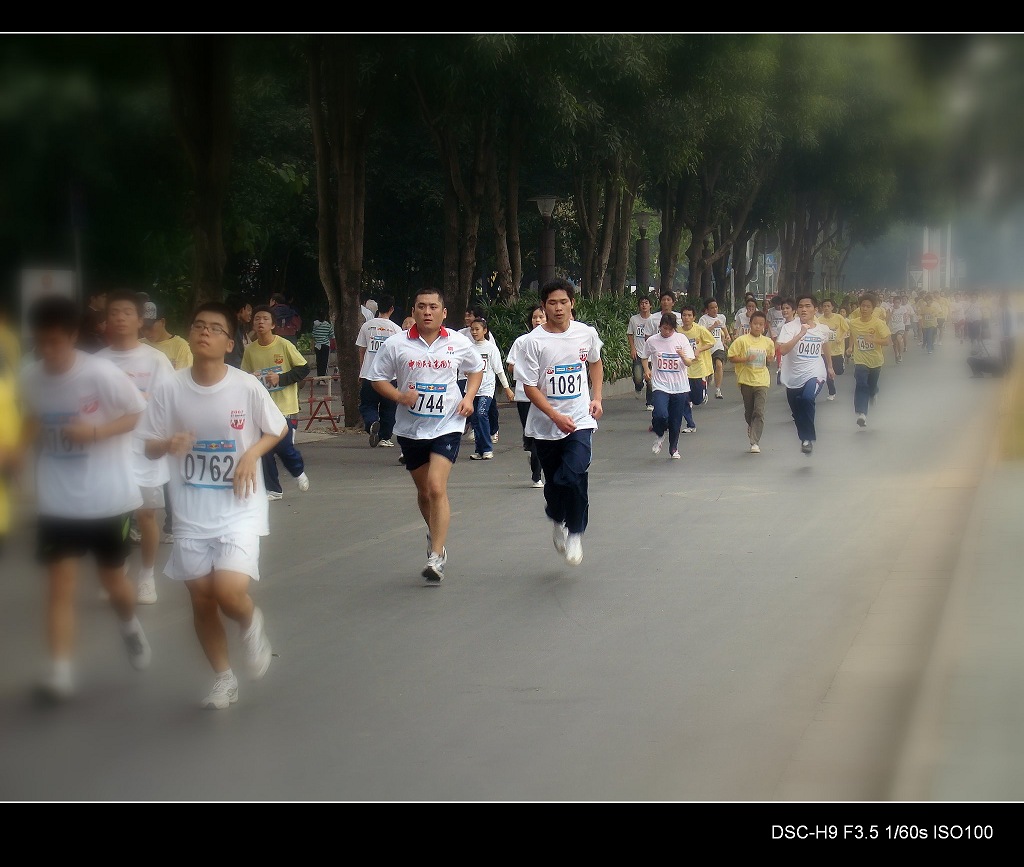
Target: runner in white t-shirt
537, 318
806, 363
472, 314
897, 323
80, 411
377, 411
424, 363
667, 357
715, 322
641, 326
216, 423
146, 367
741, 324
494, 372
555, 364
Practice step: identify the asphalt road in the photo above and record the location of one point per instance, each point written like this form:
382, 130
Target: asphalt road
743, 627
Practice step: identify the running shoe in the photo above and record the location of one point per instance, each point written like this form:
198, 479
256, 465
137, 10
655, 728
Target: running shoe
303, 481
494, 437
258, 652
433, 572
223, 694
831, 397
166, 538
689, 430
574, 549
676, 456
401, 459
469, 436
386, 444
134, 536
55, 688
539, 483
374, 433
862, 419
718, 394
559, 535
275, 495
650, 407
139, 654
485, 456
658, 443
146, 594
755, 449
707, 397
806, 447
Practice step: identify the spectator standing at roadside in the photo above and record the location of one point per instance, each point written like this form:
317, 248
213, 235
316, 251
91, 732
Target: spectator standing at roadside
323, 334
243, 310
287, 322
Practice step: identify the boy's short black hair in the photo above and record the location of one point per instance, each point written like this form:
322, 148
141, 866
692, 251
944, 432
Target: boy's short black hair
556, 284
385, 303
221, 308
757, 314
54, 312
812, 298
688, 307
264, 308
668, 319
709, 301
667, 293
428, 290
126, 295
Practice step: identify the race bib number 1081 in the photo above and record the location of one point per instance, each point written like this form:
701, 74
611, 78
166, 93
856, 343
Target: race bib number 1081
565, 381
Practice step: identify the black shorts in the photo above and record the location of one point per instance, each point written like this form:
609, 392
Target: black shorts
718, 355
418, 452
105, 538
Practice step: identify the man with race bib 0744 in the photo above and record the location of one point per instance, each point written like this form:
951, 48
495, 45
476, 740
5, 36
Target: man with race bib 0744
425, 363
558, 363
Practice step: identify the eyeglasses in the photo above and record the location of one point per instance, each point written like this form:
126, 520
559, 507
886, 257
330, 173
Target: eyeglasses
198, 327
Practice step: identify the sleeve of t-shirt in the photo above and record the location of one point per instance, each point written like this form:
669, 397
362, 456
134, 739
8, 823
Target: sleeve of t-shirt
247, 365
470, 361
296, 358
121, 391
268, 417
153, 425
596, 345
687, 349
884, 331
528, 363
384, 367
361, 338
162, 372
737, 348
183, 356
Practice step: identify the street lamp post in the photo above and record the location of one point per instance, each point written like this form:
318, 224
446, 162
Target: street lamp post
643, 253
546, 206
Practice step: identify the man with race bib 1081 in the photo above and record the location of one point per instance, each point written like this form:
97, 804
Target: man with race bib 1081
555, 363
424, 363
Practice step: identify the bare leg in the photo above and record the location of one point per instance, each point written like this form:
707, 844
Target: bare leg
60, 607
432, 495
150, 531
208, 625
120, 590
232, 592
719, 370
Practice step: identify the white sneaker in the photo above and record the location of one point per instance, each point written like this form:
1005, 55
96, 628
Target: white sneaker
275, 495
469, 436
134, 535
718, 394
374, 434
258, 652
862, 419
146, 594
303, 482
650, 407
166, 538
806, 447
139, 654
559, 535
223, 694
386, 444
539, 483
574, 548
494, 438
689, 430
676, 456
55, 688
755, 449
658, 443
831, 397
433, 572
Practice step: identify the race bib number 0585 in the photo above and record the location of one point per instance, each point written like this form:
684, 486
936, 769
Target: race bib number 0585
210, 464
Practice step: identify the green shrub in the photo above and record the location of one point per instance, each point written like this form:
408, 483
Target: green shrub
304, 344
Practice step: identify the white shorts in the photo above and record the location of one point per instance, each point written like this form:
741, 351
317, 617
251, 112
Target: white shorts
197, 558
152, 498
899, 330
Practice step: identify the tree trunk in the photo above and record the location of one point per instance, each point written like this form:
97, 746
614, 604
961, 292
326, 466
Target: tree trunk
673, 206
201, 108
503, 262
450, 287
587, 196
612, 190
623, 236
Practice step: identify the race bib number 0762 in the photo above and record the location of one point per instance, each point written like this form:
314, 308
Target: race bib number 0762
210, 464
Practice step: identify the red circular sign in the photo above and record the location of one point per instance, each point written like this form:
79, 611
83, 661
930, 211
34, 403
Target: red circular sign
930, 261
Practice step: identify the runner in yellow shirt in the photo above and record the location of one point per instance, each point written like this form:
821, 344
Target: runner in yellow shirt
929, 312
155, 333
839, 329
868, 334
702, 341
749, 354
10, 436
280, 367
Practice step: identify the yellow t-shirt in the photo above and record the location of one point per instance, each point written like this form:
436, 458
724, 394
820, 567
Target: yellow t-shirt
10, 435
930, 315
278, 356
943, 308
838, 329
176, 349
752, 373
862, 352
10, 349
703, 366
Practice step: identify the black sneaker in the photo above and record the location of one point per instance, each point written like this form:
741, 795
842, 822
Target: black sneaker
374, 434
806, 447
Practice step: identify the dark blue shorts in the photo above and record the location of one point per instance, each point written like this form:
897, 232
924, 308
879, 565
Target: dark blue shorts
418, 452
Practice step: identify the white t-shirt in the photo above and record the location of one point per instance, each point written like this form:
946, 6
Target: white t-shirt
776, 319
226, 419
742, 322
146, 367
366, 311
805, 360
641, 329
716, 325
511, 358
431, 371
668, 373
556, 362
493, 371
94, 480
956, 311
898, 319
372, 335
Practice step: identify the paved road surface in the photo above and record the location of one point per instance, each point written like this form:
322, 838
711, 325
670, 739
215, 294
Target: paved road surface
742, 628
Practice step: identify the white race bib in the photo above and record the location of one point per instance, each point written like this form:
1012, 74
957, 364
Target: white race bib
758, 358
809, 348
565, 381
863, 345
55, 442
669, 361
210, 464
430, 398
